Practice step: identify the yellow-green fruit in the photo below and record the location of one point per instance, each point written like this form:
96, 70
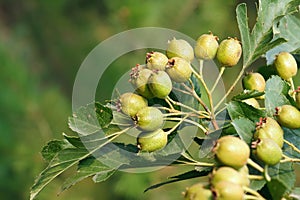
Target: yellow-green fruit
149, 119
244, 171
228, 191
254, 81
206, 47
179, 69
160, 84
198, 192
269, 128
232, 151
288, 116
230, 175
268, 151
152, 141
229, 52
156, 60
139, 77
285, 65
180, 48
252, 102
131, 103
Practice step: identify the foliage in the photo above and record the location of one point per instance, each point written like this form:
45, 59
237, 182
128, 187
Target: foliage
96, 130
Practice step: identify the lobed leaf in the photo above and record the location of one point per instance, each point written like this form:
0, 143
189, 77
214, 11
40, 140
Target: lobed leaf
259, 40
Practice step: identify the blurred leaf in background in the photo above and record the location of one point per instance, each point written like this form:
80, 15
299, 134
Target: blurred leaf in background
42, 45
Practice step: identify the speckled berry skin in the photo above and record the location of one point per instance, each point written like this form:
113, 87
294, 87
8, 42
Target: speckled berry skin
139, 77
228, 191
156, 60
152, 141
285, 65
229, 52
206, 47
160, 84
149, 119
229, 174
288, 116
198, 192
130, 103
229, 147
180, 48
179, 70
268, 151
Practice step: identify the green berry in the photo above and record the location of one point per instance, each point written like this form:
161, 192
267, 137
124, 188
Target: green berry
179, 69
139, 77
149, 119
206, 47
252, 102
198, 192
156, 60
229, 52
130, 103
180, 48
160, 84
232, 151
230, 175
285, 65
244, 171
228, 191
254, 81
269, 128
268, 151
152, 141
288, 116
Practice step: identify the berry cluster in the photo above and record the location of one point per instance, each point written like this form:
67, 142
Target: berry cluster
229, 177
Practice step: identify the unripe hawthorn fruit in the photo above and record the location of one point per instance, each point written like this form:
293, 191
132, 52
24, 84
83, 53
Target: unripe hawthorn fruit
130, 103
139, 77
149, 119
179, 69
288, 116
206, 47
230, 175
232, 151
285, 65
267, 151
180, 48
229, 52
252, 102
254, 81
152, 141
269, 128
160, 84
156, 60
198, 192
298, 97
244, 171
228, 191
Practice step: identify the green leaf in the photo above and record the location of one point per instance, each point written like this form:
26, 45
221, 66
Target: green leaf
74, 140
275, 94
247, 94
90, 119
288, 27
238, 109
60, 163
282, 181
181, 177
259, 40
245, 128
86, 168
52, 148
293, 136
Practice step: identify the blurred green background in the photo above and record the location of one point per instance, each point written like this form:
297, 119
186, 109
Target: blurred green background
42, 45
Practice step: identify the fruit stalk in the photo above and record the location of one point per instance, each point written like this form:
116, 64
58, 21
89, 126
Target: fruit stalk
291, 82
253, 192
292, 146
255, 165
213, 119
218, 79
